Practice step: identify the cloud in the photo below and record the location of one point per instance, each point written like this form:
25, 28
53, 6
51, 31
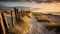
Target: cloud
37, 1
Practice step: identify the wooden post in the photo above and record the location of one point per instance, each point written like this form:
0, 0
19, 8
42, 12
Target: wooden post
15, 13
22, 12
12, 18
3, 30
5, 22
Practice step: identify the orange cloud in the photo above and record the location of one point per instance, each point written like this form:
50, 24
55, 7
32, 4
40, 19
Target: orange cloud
49, 8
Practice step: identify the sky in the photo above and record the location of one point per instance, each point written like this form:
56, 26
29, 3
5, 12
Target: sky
35, 7
30, 0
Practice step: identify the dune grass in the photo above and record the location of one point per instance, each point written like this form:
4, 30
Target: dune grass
19, 27
22, 27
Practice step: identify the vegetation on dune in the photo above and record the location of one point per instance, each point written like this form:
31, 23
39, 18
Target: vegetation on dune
21, 27
52, 24
41, 18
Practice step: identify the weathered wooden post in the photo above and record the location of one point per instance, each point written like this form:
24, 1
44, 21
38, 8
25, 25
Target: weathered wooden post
12, 18
5, 21
15, 13
19, 16
2, 27
22, 12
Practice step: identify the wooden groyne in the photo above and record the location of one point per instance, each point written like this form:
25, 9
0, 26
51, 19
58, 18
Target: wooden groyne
4, 25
